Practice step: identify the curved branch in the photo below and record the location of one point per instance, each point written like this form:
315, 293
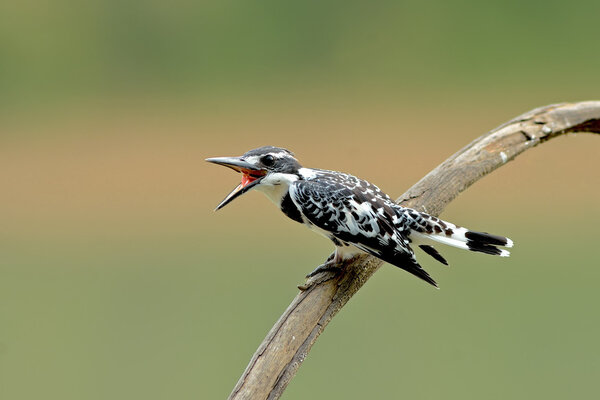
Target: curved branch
281, 353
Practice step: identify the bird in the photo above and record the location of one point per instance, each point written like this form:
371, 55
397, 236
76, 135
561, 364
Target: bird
354, 214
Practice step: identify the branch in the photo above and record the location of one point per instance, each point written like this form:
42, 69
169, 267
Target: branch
280, 354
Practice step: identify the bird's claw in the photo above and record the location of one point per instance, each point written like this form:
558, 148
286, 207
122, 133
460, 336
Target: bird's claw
322, 273
328, 266
320, 277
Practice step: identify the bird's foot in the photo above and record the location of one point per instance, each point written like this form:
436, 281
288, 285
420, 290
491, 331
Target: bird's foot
329, 266
322, 273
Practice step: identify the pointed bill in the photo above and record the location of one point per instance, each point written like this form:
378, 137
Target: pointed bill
238, 191
251, 176
235, 163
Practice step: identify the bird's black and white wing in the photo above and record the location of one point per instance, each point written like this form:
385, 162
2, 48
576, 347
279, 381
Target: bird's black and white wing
354, 212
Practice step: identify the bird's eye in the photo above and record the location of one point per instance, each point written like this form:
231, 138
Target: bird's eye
267, 160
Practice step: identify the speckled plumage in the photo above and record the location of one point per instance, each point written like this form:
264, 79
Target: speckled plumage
358, 217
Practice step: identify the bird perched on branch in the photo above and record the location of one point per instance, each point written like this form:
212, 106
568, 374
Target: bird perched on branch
354, 214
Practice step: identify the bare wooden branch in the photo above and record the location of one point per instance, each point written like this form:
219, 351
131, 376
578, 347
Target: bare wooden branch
281, 353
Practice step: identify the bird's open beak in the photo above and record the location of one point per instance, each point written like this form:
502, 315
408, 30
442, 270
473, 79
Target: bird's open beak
251, 176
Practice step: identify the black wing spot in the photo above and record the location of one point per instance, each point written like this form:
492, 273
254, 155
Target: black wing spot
433, 253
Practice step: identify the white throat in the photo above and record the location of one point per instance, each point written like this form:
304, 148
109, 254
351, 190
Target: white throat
276, 185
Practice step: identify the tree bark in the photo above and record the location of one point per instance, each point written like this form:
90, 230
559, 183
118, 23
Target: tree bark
287, 344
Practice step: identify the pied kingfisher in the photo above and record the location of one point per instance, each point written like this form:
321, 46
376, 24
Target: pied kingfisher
354, 214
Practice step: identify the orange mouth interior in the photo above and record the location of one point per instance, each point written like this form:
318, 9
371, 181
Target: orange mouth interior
250, 176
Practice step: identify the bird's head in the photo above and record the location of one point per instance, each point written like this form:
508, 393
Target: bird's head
259, 166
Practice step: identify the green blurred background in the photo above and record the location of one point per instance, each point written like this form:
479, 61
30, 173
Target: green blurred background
117, 281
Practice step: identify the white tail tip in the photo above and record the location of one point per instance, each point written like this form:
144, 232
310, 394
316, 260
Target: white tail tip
504, 253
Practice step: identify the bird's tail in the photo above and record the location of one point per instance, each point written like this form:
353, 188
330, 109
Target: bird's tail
447, 233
